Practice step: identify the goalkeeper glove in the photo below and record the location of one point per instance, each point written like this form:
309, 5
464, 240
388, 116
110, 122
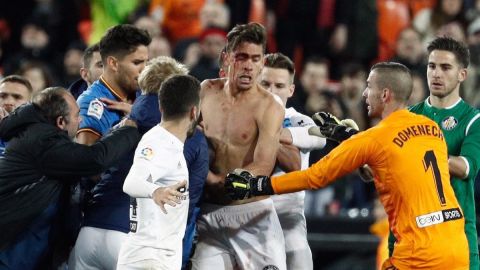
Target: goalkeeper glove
328, 126
241, 185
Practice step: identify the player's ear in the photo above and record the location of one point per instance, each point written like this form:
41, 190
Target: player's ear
84, 74
194, 112
112, 62
386, 94
462, 75
60, 122
291, 90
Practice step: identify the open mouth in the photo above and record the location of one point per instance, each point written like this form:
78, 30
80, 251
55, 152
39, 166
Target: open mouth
245, 79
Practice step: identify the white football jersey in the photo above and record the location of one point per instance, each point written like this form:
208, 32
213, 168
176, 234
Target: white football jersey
154, 234
288, 201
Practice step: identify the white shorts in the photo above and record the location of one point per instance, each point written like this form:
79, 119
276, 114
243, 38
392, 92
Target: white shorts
247, 236
289, 208
141, 257
141, 265
96, 249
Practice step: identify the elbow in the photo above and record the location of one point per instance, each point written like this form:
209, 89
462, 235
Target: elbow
127, 188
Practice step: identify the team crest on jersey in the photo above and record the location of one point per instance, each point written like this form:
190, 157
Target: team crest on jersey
146, 153
449, 123
95, 109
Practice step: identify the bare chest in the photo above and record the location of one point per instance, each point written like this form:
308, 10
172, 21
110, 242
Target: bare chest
228, 122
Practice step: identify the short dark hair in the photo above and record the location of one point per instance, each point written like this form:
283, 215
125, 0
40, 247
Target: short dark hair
459, 49
18, 79
121, 40
52, 104
88, 54
279, 60
252, 32
177, 95
396, 77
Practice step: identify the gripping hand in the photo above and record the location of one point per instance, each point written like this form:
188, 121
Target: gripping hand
328, 126
241, 185
323, 118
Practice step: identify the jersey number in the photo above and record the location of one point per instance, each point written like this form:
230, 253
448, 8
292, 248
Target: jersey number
430, 160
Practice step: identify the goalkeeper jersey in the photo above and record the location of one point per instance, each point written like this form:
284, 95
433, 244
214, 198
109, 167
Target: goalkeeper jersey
461, 128
408, 155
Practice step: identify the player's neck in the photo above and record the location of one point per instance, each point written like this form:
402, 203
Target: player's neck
235, 92
111, 83
391, 108
444, 102
176, 128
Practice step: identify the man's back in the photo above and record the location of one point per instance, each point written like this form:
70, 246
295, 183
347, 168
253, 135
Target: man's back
408, 155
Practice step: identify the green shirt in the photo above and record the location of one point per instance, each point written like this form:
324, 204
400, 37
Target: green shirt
461, 129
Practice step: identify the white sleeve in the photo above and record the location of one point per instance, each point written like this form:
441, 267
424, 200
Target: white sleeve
305, 141
139, 183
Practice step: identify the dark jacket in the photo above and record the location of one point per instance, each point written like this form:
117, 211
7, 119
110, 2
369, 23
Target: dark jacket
40, 160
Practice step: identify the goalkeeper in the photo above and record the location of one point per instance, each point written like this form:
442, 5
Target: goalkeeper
408, 156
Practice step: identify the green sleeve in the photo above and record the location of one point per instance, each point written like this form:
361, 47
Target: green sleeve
471, 147
391, 243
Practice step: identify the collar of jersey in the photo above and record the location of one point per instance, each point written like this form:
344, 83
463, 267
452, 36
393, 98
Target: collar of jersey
110, 88
427, 101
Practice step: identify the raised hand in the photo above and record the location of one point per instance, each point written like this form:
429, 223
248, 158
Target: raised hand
330, 127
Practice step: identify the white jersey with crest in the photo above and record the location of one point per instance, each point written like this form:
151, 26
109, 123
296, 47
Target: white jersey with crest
154, 235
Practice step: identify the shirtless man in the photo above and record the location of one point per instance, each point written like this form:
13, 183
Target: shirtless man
242, 122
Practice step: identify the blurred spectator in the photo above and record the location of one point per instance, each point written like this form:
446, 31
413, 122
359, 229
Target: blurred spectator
38, 74
454, 30
393, 16
35, 45
409, 51
187, 51
212, 41
72, 63
179, 19
354, 38
428, 21
472, 10
473, 96
148, 23
420, 90
352, 84
314, 78
215, 14
302, 27
160, 46
325, 101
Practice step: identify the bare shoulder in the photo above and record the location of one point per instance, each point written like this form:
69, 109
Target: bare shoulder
270, 101
212, 85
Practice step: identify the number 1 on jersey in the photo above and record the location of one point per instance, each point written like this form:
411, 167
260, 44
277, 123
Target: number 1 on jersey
431, 160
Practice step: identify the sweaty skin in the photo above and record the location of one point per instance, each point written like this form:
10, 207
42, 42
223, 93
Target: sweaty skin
243, 129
